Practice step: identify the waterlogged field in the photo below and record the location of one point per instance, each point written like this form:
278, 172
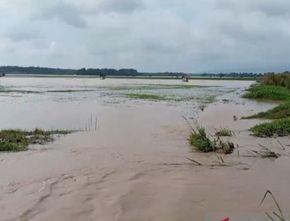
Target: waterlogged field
130, 158
73, 103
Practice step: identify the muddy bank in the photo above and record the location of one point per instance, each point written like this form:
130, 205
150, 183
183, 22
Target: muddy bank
134, 167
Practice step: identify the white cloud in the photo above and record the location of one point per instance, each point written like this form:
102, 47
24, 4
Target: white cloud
151, 35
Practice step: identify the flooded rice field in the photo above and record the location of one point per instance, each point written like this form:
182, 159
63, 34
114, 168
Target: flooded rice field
128, 160
71, 102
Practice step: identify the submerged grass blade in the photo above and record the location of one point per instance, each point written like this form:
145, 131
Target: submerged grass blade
281, 216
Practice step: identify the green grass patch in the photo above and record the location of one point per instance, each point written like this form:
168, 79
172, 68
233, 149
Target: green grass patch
224, 132
146, 97
279, 128
279, 112
268, 92
19, 140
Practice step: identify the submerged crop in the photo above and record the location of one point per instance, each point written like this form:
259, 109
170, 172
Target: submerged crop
19, 140
279, 128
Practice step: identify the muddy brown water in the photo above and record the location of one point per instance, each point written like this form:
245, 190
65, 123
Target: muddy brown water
134, 166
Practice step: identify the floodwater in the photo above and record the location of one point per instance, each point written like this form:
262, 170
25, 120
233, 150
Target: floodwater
71, 103
129, 161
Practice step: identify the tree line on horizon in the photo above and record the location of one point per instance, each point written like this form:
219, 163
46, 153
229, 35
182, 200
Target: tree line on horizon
82, 71
113, 72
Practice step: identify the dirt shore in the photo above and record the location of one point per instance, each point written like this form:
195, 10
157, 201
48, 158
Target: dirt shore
135, 167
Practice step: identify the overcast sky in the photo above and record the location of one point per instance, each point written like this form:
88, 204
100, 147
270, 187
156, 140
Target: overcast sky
149, 35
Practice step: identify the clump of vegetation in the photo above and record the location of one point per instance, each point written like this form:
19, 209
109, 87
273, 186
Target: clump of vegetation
146, 96
272, 87
265, 153
225, 147
280, 127
280, 79
224, 132
268, 92
279, 112
202, 141
19, 140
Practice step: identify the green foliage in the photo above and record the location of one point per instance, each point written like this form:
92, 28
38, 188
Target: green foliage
279, 127
268, 92
224, 132
279, 112
18, 140
13, 140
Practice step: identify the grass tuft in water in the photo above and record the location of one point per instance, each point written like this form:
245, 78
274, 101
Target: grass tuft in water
19, 140
202, 142
146, 97
224, 132
275, 216
281, 111
278, 128
199, 139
